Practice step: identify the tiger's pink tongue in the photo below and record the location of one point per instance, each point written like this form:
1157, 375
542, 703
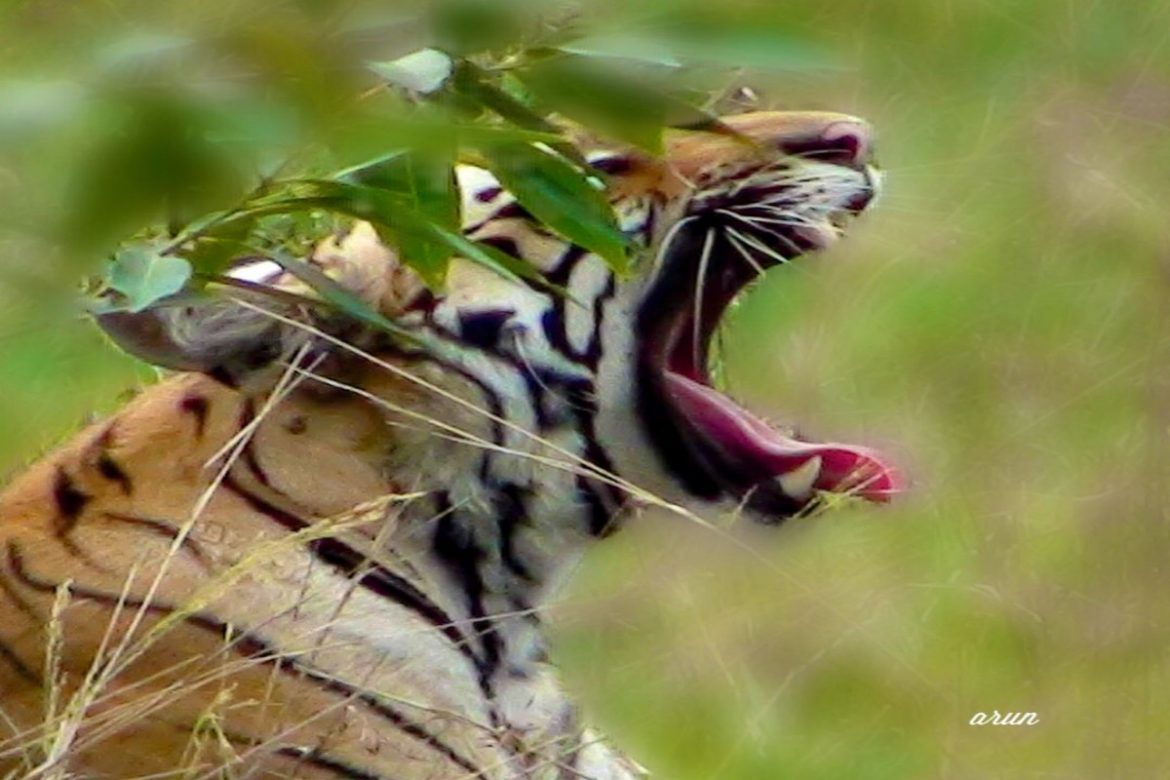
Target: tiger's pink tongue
801, 468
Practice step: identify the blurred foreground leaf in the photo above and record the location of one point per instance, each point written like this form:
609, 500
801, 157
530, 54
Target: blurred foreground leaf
248, 140
468, 26
627, 47
746, 46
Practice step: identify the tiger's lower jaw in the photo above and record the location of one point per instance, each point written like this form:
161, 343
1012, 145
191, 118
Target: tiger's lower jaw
784, 475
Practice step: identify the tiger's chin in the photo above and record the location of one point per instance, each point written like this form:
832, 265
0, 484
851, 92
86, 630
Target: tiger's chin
729, 237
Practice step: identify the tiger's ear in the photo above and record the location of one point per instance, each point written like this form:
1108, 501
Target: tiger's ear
235, 335
217, 336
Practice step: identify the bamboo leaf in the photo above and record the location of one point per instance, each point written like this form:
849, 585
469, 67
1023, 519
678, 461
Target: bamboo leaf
473, 83
631, 48
336, 295
561, 196
426, 184
600, 99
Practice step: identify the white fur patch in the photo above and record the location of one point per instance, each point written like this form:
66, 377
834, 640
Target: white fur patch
259, 272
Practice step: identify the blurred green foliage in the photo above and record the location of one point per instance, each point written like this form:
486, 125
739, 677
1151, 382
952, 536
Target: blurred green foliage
201, 138
1001, 320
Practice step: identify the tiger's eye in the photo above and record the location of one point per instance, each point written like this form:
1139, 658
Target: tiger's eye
616, 165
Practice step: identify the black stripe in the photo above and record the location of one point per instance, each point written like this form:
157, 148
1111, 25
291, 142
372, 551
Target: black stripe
222, 375
554, 322
318, 760
535, 381
248, 454
592, 354
303, 755
70, 501
254, 648
161, 528
505, 244
19, 600
616, 165
512, 513
273, 512
389, 585
488, 194
197, 406
385, 710
108, 467
16, 566
510, 210
482, 328
494, 406
9, 655
454, 545
603, 498
369, 574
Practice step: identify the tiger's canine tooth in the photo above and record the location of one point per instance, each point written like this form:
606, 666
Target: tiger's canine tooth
799, 482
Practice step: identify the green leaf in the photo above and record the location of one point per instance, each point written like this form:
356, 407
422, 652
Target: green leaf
473, 83
426, 184
212, 247
370, 139
480, 254
394, 214
423, 71
142, 276
632, 48
336, 295
401, 224
515, 269
561, 196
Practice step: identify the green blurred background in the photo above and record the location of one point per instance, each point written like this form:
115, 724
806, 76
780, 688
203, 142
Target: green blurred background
1000, 323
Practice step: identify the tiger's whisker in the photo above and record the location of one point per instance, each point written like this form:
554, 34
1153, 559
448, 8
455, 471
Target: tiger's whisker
700, 281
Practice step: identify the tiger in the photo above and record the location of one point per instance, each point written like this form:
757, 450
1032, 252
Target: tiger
320, 547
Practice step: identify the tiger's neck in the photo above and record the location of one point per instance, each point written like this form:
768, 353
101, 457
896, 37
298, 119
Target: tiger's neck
498, 438
507, 498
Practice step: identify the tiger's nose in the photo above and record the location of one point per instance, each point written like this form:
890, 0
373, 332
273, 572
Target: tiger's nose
841, 140
865, 197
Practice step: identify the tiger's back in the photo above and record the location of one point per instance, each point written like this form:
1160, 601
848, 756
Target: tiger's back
321, 551
103, 509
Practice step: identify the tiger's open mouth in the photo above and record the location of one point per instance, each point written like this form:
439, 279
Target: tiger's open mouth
730, 234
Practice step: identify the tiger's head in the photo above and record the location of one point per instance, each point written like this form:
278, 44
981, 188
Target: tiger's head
727, 212
615, 372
